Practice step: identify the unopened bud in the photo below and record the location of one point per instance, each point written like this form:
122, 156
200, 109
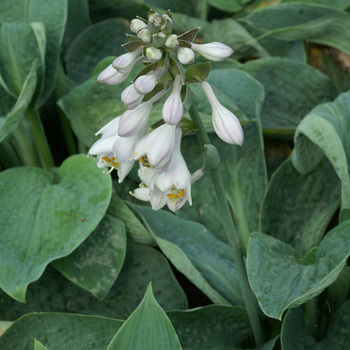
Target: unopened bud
137, 24
167, 26
145, 35
158, 39
153, 54
213, 51
185, 55
172, 41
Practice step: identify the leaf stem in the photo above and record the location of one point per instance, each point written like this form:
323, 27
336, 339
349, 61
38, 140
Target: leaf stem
40, 138
68, 134
231, 234
311, 316
202, 9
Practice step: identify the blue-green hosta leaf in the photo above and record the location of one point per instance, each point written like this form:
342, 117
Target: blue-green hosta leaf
297, 208
96, 263
343, 4
295, 336
280, 280
195, 252
57, 331
325, 131
337, 293
290, 92
317, 23
45, 217
147, 328
39, 346
52, 14
16, 114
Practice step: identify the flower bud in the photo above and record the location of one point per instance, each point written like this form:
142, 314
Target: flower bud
172, 108
146, 83
144, 35
167, 26
125, 63
131, 97
213, 51
158, 39
185, 55
111, 76
153, 54
137, 24
171, 42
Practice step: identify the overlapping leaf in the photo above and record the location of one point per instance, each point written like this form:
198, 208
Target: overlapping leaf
45, 217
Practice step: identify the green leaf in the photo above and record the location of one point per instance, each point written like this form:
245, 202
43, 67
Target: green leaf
3, 326
337, 292
148, 327
226, 5
56, 331
297, 208
325, 131
343, 4
53, 16
212, 327
16, 114
48, 216
96, 263
197, 72
54, 293
87, 49
295, 336
290, 92
39, 346
281, 281
195, 252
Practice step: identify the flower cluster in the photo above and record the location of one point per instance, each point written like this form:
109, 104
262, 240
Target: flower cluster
125, 140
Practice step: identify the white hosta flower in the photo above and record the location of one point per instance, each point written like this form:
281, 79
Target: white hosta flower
114, 151
153, 54
171, 42
134, 120
131, 97
146, 83
226, 124
125, 63
145, 35
173, 108
157, 146
111, 76
213, 51
185, 55
137, 24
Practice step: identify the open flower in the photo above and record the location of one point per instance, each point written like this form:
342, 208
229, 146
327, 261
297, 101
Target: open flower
173, 108
226, 124
213, 51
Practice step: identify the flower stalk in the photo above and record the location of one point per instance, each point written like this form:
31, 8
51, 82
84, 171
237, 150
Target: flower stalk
231, 234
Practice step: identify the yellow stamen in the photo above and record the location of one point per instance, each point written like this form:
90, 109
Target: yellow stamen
176, 195
144, 161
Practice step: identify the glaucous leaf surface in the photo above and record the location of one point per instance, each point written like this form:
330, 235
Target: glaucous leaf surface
96, 263
56, 331
281, 280
295, 336
53, 16
337, 292
195, 252
45, 216
297, 208
325, 131
343, 4
147, 328
87, 49
54, 293
290, 92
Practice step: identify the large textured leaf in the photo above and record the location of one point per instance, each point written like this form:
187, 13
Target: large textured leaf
297, 208
194, 251
39, 346
325, 131
87, 49
290, 92
343, 4
45, 217
53, 16
54, 293
147, 328
321, 24
214, 327
56, 331
296, 337
280, 280
96, 263
16, 114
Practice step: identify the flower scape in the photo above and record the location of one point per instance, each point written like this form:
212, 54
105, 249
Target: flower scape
165, 177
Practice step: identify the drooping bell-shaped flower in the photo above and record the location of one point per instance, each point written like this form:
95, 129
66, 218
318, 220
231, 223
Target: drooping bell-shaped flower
146, 83
173, 108
157, 146
185, 55
111, 76
125, 63
214, 51
226, 124
131, 97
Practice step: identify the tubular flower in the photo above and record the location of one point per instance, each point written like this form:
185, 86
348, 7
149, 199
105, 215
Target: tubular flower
131, 97
111, 76
173, 108
226, 124
212, 51
125, 63
146, 83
